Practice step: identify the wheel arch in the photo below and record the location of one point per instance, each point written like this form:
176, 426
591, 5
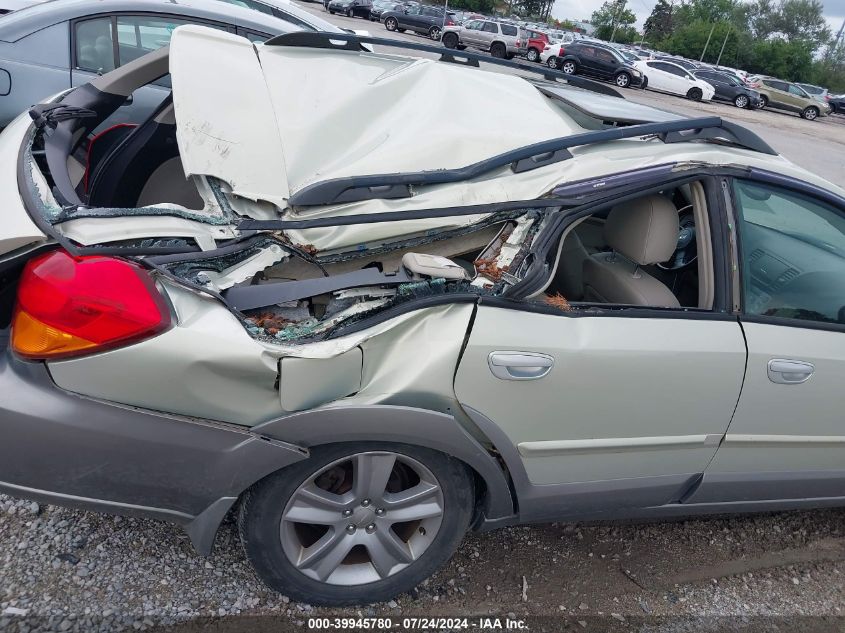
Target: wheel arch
405, 425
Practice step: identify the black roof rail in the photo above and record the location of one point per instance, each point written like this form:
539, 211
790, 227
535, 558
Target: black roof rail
352, 42
398, 185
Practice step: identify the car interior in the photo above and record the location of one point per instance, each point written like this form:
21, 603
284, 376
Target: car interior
651, 251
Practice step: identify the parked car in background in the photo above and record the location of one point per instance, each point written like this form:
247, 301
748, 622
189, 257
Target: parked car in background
53, 46
669, 77
420, 18
595, 60
351, 8
680, 61
815, 91
382, 6
535, 44
501, 39
729, 88
837, 104
790, 97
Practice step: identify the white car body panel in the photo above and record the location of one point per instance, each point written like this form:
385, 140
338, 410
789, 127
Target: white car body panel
220, 133
18, 228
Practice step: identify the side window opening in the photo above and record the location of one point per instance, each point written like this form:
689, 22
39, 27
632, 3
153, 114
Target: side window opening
94, 44
652, 251
793, 254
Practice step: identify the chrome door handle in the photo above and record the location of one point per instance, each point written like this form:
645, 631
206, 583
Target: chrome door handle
519, 365
789, 372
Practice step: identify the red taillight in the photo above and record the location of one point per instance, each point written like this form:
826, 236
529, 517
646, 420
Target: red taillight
80, 305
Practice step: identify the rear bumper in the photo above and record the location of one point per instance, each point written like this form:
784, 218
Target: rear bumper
69, 450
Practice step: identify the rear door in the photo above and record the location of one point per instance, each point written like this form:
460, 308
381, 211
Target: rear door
719, 83
659, 78
604, 403
605, 63
787, 438
587, 59
603, 400
778, 94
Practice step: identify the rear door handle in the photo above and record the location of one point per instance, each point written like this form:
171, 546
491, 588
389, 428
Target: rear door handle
519, 365
789, 372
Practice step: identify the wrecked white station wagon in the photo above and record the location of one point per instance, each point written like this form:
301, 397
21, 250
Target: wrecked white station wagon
374, 332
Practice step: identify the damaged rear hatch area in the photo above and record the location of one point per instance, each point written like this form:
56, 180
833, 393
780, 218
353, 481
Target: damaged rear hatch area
249, 185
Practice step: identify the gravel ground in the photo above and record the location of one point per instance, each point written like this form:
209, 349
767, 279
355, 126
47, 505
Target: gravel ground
68, 570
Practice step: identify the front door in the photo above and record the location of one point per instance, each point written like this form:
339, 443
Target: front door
787, 438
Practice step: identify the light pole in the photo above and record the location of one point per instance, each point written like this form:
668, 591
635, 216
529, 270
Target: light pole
719, 58
707, 43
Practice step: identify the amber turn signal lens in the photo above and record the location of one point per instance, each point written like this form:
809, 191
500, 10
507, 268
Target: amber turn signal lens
33, 339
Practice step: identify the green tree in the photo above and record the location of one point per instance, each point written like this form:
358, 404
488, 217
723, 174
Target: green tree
611, 17
658, 26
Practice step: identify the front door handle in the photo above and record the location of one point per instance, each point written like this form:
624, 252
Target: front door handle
519, 365
789, 372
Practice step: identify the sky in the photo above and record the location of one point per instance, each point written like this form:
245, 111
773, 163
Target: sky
582, 10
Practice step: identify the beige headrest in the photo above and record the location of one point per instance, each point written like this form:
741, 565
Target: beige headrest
644, 230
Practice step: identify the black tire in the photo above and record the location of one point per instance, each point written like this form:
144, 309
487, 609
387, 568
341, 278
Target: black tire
695, 94
764, 101
742, 101
551, 62
450, 40
391, 24
498, 50
262, 507
533, 55
434, 33
623, 80
349, 13
810, 113
568, 66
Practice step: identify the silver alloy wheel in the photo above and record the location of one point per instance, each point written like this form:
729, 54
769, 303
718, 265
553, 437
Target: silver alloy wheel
532, 55
810, 113
741, 101
391, 24
434, 33
568, 68
362, 518
622, 80
551, 62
